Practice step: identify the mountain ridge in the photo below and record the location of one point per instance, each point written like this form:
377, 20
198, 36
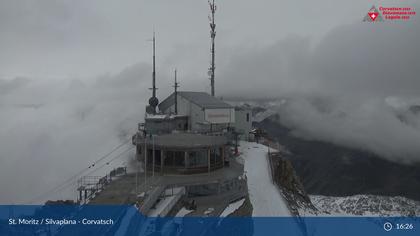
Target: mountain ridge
333, 170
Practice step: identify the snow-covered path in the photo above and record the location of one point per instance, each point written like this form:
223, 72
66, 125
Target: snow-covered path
264, 195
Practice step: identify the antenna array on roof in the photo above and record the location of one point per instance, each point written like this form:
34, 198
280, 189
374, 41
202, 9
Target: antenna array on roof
176, 86
212, 68
153, 101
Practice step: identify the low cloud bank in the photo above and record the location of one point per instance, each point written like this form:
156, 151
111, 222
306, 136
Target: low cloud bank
378, 126
358, 87
53, 129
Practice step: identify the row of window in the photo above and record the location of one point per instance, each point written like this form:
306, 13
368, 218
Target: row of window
196, 158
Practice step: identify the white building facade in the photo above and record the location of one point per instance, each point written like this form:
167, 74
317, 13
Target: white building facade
205, 112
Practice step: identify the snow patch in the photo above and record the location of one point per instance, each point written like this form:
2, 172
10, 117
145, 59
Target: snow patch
232, 208
183, 212
209, 210
166, 203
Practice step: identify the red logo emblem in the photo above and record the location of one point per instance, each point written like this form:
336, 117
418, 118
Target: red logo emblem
373, 15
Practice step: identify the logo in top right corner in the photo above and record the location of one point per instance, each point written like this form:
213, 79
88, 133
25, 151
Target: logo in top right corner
373, 15
389, 13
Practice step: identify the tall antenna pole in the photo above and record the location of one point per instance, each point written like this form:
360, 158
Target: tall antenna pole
176, 86
153, 101
212, 68
154, 65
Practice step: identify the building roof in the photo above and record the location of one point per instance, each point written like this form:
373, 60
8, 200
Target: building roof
201, 99
163, 117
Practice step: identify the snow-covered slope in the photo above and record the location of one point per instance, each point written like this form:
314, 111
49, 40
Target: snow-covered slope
366, 205
264, 195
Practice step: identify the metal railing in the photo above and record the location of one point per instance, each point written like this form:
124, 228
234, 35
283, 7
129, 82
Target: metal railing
88, 186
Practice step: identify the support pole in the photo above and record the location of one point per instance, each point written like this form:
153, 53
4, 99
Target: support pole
137, 179
145, 162
214, 157
223, 156
208, 159
162, 160
236, 144
153, 156
185, 160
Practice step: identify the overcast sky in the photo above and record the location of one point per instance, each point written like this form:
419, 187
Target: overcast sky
61, 38
74, 75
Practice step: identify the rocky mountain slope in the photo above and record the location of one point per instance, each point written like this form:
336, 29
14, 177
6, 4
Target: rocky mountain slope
333, 170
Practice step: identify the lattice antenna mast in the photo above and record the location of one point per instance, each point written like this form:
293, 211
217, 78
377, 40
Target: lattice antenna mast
212, 68
176, 86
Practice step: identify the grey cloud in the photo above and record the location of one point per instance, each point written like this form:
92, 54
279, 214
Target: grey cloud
77, 122
133, 75
371, 58
340, 89
7, 86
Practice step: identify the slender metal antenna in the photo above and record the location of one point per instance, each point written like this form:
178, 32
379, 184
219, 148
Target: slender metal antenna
176, 86
154, 65
153, 101
212, 68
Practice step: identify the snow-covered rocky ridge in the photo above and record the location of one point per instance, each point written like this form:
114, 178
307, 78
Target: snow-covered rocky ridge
366, 205
326, 168
269, 195
265, 196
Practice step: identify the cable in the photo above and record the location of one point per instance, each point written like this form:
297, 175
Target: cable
60, 188
113, 159
67, 181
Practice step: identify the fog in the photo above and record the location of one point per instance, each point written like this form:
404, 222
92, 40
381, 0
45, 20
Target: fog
52, 130
354, 88
75, 80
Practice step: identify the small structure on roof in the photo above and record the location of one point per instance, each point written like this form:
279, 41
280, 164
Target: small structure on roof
243, 121
205, 112
164, 123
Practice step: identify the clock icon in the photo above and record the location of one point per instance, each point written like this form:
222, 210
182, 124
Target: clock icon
387, 226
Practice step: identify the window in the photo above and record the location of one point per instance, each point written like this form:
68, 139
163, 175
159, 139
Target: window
169, 159
179, 159
174, 158
197, 158
247, 117
215, 155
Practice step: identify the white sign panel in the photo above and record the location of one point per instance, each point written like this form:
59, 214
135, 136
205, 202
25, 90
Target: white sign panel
219, 116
